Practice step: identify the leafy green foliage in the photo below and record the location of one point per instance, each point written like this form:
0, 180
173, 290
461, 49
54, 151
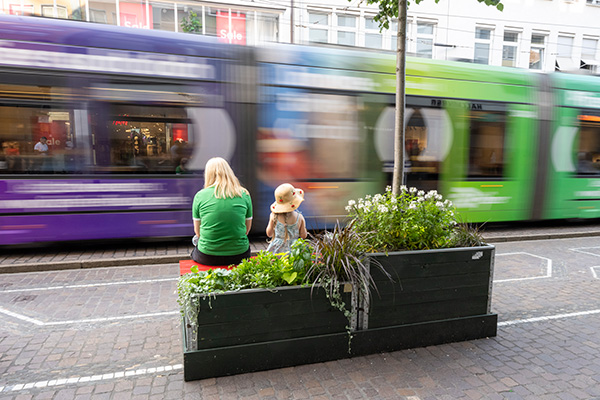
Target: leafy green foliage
265, 270
388, 9
412, 220
191, 23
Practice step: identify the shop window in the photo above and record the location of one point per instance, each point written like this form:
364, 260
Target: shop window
163, 16
486, 150
145, 139
186, 12
104, 11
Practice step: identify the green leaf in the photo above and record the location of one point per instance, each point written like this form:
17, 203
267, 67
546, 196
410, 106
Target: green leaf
194, 269
289, 277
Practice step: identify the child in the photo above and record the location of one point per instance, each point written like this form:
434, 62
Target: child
285, 223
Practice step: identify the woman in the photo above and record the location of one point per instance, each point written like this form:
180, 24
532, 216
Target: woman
222, 214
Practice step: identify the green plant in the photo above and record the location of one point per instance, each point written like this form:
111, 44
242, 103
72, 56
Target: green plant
191, 23
412, 220
340, 261
265, 270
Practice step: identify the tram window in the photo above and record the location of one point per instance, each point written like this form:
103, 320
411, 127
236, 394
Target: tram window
145, 139
316, 137
23, 127
486, 150
426, 145
588, 151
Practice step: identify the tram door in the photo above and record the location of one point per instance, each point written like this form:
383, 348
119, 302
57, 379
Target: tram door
428, 138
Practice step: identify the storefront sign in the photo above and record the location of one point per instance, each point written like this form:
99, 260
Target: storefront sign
133, 15
231, 27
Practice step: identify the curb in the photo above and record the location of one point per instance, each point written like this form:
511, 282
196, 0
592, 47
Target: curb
174, 259
85, 264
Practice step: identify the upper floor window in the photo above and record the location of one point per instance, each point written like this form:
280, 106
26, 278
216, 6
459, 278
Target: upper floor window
346, 34
483, 40
425, 35
510, 49
318, 30
537, 52
373, 38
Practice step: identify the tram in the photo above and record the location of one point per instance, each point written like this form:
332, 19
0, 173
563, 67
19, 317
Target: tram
131, 116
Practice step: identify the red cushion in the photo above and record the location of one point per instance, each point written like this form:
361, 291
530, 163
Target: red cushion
186, 265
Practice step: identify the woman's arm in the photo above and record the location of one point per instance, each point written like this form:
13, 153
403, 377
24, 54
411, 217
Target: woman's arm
197, 227
248, 225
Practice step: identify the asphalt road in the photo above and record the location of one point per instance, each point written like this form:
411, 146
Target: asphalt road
114, 333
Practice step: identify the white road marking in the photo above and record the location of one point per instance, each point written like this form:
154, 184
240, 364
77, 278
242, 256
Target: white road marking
593, 269
582, 250
87, 285
82, 321
90, 378
548, 268
548, 318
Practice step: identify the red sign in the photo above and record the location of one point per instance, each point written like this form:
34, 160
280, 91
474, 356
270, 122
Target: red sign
231, 27
134, 15
180, 132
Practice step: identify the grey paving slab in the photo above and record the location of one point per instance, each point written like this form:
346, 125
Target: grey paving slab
114, 333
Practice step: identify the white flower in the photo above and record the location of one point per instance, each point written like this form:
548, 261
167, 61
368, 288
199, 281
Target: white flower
433, 192
403, 188
382, 209
439, 204
420, 193
351, 202
438, 196
368, 204
377, 198
348, 208
393, 200
412, 206
361, 206
394, 208
367, 197
388, 188
421, 199
413, 190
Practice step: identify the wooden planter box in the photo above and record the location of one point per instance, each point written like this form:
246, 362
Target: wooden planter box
257, 329
438, 296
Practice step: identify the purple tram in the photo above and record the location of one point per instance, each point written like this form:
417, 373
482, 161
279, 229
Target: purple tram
130, 118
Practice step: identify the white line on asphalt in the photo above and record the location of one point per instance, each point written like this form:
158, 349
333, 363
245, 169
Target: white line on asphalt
548, 268
593, 269
582, 250
82, 321
90, 378
548, 318
87, 285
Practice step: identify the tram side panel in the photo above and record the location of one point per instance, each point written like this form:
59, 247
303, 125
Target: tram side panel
574, 167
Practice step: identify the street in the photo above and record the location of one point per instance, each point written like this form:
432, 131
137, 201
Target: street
114, 333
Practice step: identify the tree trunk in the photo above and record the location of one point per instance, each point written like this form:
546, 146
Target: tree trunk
398, 177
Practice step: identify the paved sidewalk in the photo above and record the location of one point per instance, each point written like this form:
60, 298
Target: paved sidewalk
49, 259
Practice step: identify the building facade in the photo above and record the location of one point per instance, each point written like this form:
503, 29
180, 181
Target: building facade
543, 35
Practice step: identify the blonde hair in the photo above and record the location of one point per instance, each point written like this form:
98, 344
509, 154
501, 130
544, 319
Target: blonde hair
218, 174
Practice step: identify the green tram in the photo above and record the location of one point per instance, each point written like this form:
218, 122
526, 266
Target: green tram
503, 144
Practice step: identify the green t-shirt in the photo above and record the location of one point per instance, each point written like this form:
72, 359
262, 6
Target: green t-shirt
222, 223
